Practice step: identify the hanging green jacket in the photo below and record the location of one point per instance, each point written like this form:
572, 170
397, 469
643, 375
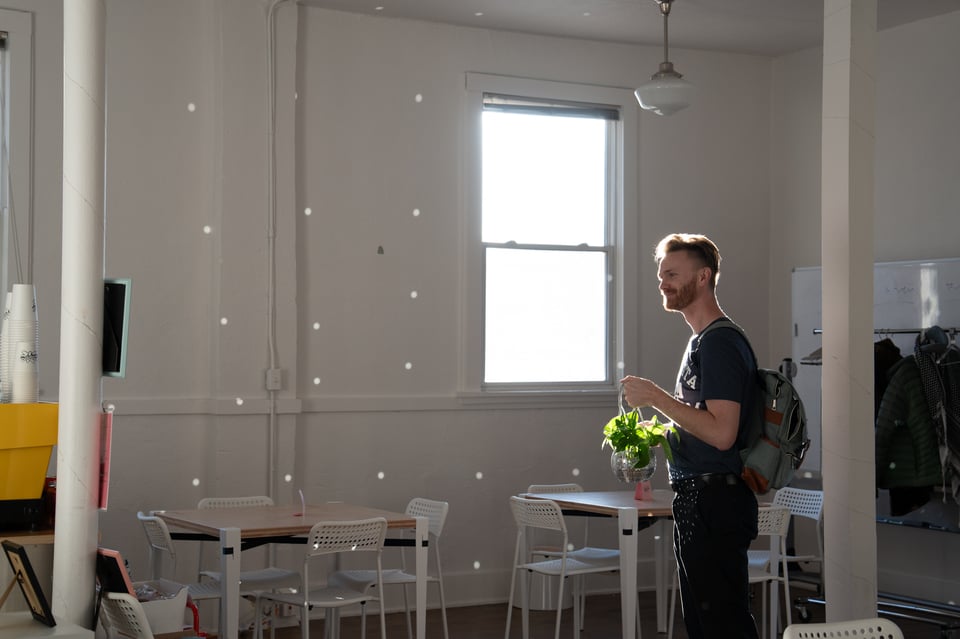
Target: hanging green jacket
906, 438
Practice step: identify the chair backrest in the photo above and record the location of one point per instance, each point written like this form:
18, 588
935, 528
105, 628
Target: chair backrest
159, 539
335, 537
801, 502
583, 523
554, 488
234, 502
434, 511
773, 521
360, 535
125, 616
876, 628
538, 513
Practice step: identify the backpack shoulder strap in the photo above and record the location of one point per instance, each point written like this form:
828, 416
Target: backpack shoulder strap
726, 322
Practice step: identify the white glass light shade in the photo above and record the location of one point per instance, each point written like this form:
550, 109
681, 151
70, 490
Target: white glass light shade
665, 93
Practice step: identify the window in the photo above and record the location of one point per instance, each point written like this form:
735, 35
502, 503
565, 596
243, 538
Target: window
546, 252
16, 152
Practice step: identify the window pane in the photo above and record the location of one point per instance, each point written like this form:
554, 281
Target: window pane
543, 179
545, 316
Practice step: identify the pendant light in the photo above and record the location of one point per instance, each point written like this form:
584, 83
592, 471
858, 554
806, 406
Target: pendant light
666, 92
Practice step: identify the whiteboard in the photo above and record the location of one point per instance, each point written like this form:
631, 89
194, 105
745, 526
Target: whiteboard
906, 296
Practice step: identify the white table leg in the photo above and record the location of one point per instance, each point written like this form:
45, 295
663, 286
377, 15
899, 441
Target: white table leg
627, 521
229, 583
661, 544
422, 549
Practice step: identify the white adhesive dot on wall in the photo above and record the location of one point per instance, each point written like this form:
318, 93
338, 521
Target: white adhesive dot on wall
239, 401
416, 212
207, 230
479, 475
609, 277
408, 366
316, 326
418, 98
191, 107
195, 482
307, 211
109, 408
413, 295
380, 475
223, 321
316, 381
575, 472
621, 366
476, 565
288, 478
378, 8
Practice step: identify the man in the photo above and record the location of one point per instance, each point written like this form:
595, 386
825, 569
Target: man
715, 513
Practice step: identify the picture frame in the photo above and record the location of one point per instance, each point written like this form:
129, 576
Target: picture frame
112, 574
116, 324
29, 585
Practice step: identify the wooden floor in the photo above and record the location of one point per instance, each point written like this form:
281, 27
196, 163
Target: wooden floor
602, 622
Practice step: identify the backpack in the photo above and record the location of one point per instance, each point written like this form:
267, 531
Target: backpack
776, 437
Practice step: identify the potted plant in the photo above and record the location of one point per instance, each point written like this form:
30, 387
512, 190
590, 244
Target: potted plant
631, 437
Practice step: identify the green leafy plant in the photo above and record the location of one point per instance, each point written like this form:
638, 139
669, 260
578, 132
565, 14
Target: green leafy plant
629, 433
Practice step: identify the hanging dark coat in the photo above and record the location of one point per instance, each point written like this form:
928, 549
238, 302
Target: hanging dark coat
906, 438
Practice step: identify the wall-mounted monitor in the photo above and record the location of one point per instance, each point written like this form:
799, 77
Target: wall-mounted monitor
116, 320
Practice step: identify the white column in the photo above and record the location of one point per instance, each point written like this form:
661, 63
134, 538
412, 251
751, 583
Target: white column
850, 535
81, 311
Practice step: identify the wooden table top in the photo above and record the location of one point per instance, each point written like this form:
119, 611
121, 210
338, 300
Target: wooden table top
273, 521
28, 537
606, 502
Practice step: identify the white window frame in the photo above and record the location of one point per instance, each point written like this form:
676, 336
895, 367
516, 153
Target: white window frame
17, 122
624, 229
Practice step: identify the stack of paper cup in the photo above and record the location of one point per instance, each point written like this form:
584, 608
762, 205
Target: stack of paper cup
5, 354
24, 373
22, 343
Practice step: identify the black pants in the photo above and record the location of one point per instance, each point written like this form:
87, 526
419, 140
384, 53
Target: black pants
714, 526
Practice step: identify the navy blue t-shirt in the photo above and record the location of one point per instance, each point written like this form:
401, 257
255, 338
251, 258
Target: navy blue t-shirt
721, 367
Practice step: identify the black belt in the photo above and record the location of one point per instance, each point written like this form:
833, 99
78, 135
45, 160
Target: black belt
699, 482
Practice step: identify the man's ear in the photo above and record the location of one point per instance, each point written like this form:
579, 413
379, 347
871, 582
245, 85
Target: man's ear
704, 275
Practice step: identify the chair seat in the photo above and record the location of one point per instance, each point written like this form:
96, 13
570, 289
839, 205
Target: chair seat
590, 554
363, 579
204, 590
263, 579
327, 597
761, 558
574, 566
758, 559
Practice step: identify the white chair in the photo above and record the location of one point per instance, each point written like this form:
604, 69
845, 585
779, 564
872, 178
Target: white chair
546, 515
364, 580
875, 628
803, 504
159, 541
269, 578
122, 615
584, 552
332, 538
773, 522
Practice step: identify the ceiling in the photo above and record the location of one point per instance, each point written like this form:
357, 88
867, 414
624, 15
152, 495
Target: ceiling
762, 27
